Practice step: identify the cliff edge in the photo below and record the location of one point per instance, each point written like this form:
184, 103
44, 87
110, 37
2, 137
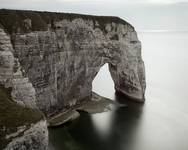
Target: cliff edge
59, 55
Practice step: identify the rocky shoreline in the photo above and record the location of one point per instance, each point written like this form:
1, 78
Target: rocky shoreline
97, 104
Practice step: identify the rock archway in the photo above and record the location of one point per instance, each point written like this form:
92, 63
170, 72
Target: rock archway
60, 57
48, 62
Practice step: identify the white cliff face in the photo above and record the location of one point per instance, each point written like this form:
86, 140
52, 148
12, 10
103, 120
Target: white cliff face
6, 58
62, 61
11, 75
50, 60
29, 135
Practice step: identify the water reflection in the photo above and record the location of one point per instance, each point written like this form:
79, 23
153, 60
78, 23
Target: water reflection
102, 123
125, 124
114, 130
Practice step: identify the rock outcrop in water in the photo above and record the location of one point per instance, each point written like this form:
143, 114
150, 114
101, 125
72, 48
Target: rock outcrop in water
50, 59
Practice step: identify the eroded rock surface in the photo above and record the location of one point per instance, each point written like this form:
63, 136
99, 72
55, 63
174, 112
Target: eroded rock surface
62, 55
21, 128
22, 125
12, 76
49, 61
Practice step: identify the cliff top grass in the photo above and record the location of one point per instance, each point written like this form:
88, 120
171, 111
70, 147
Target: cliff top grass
13, 115
11, 20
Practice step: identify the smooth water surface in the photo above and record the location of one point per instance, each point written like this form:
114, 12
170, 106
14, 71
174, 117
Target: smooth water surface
159, 124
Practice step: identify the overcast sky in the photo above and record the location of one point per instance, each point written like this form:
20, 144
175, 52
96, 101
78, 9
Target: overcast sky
143, 14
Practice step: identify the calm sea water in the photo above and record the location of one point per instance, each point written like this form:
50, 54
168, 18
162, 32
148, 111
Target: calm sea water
159, 124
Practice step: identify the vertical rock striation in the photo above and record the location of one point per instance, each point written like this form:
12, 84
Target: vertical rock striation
20, 126
48, 62
11, 74
60, 55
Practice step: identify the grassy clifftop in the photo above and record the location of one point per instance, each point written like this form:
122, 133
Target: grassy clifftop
13, 116
11, 20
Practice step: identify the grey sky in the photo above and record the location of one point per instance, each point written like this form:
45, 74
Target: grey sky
143, 14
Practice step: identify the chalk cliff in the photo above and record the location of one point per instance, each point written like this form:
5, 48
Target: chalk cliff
58, 55
49, 61
20, 126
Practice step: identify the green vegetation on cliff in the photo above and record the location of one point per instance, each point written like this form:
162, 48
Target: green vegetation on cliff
13, 20
13, 116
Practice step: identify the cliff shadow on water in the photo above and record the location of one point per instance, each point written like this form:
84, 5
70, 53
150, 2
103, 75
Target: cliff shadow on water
109, 130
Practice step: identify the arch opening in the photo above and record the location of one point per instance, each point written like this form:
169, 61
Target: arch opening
103, 83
